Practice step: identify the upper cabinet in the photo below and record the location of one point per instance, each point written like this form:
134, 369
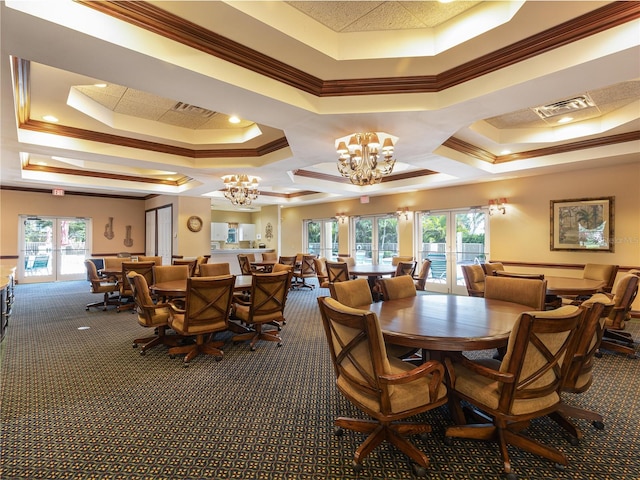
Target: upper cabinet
247, 231
219, 231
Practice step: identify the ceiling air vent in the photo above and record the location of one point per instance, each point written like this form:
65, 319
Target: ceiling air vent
192, 110
564, 106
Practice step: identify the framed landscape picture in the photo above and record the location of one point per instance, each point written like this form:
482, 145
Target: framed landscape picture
582, 224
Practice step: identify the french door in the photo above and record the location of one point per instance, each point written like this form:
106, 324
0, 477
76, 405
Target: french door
450, 239
321, 238
53, 248
376, 239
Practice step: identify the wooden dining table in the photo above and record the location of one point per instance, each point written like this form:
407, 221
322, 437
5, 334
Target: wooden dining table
573, 285
372, 272
447, 323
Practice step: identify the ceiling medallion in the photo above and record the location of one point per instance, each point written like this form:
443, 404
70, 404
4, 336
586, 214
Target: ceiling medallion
242, 189
364, 158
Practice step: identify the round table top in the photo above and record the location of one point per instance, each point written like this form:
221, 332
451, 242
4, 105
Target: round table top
372, 269
447, 322
573, 286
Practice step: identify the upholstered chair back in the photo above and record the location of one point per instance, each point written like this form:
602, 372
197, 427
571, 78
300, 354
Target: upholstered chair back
524, 291
353, 293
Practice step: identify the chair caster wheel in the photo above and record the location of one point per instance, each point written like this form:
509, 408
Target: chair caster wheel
218, 358
598, 354
560, 467
425, 437
511, 476
135, 345
448, 441
632, 356
338, 431
279, 344
419, 471
357, 467
172, 356
574, 441
143, 353
253, 349
185, 365
598, 425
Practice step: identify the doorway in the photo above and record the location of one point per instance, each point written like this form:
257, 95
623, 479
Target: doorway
53, 248
450, 239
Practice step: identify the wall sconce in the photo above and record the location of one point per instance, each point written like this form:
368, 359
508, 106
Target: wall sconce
403, 211
497, 205
342, 217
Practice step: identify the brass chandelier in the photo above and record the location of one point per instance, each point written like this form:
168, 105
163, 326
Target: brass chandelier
242, 189
364, 159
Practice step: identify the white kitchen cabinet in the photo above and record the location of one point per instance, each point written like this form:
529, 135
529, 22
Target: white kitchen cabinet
219, 231
247, 231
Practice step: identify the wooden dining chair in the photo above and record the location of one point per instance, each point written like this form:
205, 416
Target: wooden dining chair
473, 279
215, 269
205, 312
157, 260
125, 299
353, 293
189, 263
420, 279
401, 258
530, 292
405, 268
382, 387
394, 288
337, 271
268, 299
615, 339
491, 267
108, 288
580, 374
307, 271
150, 315
525, 385
321, 272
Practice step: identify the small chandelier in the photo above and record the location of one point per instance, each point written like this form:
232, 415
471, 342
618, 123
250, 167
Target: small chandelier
363, 159
241, 189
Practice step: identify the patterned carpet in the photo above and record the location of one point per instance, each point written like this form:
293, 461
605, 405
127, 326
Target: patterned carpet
80, 403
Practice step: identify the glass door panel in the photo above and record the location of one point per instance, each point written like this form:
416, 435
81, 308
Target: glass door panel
451, 239
364, 241
321, 238
469, 244
53, 249
387, 233
376, 240
433, 245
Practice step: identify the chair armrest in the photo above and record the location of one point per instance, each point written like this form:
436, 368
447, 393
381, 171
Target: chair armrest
432, 367
476, 368
176, 308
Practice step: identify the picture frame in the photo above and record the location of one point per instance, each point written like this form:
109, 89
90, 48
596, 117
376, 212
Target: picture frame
583, 224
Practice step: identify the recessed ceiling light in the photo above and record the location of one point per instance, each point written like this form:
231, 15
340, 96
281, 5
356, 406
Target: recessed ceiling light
565, 119
50, 118
42, 164
505, 152
100, 85
234, 119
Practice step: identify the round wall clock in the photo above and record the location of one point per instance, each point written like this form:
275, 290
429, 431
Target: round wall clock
194, 223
